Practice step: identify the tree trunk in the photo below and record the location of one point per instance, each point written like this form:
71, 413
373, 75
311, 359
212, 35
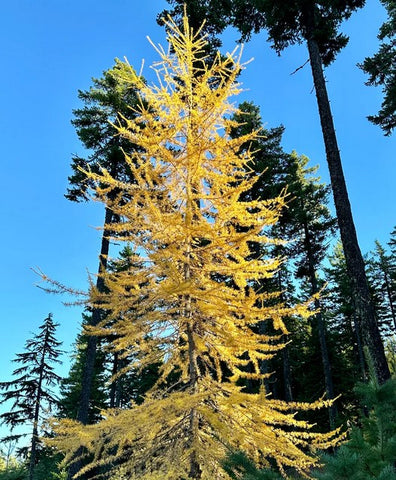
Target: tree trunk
287, 373
88, 369
287, 376
264, 364
89, 364
33, 446
193, 368
195, 470
114, 383
353, 256
35, 436
321, 328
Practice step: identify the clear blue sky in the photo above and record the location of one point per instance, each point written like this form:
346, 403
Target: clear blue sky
50, 49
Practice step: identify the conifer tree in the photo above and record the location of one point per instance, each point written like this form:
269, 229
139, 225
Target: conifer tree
239, 467
270, 162
392, 244
315, 23
14, 472
371, 450
344, 329
315, 225
382, 275
270, 165
104, 391
71, 386
106, 101
132, 384
184, 217
381, 70
31, 390
305, 225
104, 105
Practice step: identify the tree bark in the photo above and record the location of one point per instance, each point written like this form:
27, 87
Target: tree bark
195, 470
35, 436
287, 375
287, 386
88, 369
320, 324
33, 445
89, 364
264, 364
353, 256
113, 400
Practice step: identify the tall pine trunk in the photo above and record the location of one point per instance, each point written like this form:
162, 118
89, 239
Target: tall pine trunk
287, 384
353, 255
90, 353
287, 375
320, 324
88, 368
35, 436
113, 397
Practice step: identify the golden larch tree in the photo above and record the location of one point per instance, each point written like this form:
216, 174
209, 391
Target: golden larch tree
189, 302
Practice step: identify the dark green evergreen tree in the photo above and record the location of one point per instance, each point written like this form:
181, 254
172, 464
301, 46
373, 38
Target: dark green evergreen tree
269, 161
105, 104
344, 332
126, 384
196, 11
371, 451
307, 218
312, 226
285, 386
306, 212
381, 269
391, 259
392, 244
315, 23
271, 165
382, 72
239, 467
101, 388
14, 473
70, 388
49, 465
31, 390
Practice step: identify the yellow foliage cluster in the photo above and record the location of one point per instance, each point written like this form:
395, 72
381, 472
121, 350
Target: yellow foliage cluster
188, 301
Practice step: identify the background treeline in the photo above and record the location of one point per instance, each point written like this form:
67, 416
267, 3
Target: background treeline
331, 353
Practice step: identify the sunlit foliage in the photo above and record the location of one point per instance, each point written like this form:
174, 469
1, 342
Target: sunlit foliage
187, 303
